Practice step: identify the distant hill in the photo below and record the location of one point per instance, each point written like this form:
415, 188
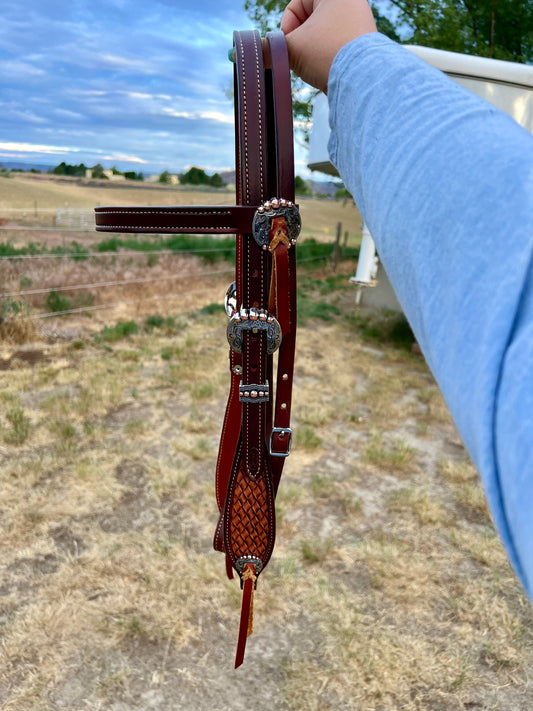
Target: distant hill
317, 187
16, 165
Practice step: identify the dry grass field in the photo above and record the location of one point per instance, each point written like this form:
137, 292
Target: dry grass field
388, 588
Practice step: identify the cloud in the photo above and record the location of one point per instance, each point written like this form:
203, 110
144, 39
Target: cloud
35, 148
125, 159
200, 115
118, 80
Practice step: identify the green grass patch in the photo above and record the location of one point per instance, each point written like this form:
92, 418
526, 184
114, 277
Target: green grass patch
211, 249
308, 308
20, 426
123, 329
383, 326
56, 301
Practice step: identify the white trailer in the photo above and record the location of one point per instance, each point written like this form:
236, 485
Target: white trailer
506, 85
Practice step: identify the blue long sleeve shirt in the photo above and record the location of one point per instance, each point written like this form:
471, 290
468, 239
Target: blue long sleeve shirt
445, 184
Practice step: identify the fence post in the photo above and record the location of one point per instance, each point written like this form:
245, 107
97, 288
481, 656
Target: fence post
336, 249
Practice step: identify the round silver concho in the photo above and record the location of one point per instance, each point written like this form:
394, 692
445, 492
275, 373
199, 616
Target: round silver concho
230, 299
276, 208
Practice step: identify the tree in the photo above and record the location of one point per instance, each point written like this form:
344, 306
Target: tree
165, 178
300, 186
132, 175
215, 181
98, 171
502, 29
66, 169
195, 176
266, 15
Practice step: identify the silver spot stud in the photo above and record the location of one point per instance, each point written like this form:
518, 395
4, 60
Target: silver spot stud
253, 393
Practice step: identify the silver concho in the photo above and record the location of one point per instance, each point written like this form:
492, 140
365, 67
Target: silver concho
241, 562
256, 321
275, 208
230, 300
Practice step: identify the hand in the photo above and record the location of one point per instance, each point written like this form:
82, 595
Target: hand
316, 30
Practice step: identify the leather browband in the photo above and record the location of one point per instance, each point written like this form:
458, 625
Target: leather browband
216, 219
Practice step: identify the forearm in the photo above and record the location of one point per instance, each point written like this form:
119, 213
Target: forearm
445, 183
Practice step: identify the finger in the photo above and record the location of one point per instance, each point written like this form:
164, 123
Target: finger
296, 13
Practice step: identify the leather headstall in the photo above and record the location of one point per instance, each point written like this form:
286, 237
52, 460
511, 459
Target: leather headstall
261, 305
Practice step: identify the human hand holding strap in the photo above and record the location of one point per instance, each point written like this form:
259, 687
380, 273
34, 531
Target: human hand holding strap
315, 31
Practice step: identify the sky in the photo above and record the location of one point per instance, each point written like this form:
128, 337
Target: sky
139, 84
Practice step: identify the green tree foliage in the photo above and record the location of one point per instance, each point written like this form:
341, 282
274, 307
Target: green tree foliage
98, 171
300, 186
66, 169
266, 15
165, 178
502, 29
195, 176
198, 176
132, 175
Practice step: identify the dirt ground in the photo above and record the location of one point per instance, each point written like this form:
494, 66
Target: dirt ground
388, 588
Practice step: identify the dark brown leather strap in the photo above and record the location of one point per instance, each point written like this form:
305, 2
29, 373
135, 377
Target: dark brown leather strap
285, 259
204, 219
249, 523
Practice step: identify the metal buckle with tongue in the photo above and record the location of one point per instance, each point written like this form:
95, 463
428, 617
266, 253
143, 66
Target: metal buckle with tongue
281, 432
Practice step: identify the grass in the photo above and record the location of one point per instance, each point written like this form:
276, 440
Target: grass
388, 587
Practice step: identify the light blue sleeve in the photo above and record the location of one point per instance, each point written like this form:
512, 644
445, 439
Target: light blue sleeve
445, 184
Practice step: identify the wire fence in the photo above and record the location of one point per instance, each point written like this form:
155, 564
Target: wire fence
35, 278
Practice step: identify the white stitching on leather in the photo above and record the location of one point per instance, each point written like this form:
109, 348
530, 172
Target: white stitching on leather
142, 228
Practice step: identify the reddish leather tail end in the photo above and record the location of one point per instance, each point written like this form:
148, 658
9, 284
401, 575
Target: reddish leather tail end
246, 626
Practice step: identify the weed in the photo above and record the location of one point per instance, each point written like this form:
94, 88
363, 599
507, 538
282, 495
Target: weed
213, 308
399, 456
310, 308
15, 324
134, 427
20, 426
322, 486
168, 323
315, 551
420, 503
201, 391
64, 429
123, 329
383, 326
307, 438
57, 302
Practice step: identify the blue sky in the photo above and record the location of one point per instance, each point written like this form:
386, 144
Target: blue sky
140, 84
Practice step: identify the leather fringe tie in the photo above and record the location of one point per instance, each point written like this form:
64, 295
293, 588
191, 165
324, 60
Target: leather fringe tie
246, 626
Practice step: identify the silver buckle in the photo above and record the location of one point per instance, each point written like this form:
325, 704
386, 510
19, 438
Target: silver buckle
282, 431
276, 208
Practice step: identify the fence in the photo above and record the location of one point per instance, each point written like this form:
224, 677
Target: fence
70, 271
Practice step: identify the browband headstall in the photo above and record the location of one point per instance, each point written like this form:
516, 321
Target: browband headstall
261, 305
